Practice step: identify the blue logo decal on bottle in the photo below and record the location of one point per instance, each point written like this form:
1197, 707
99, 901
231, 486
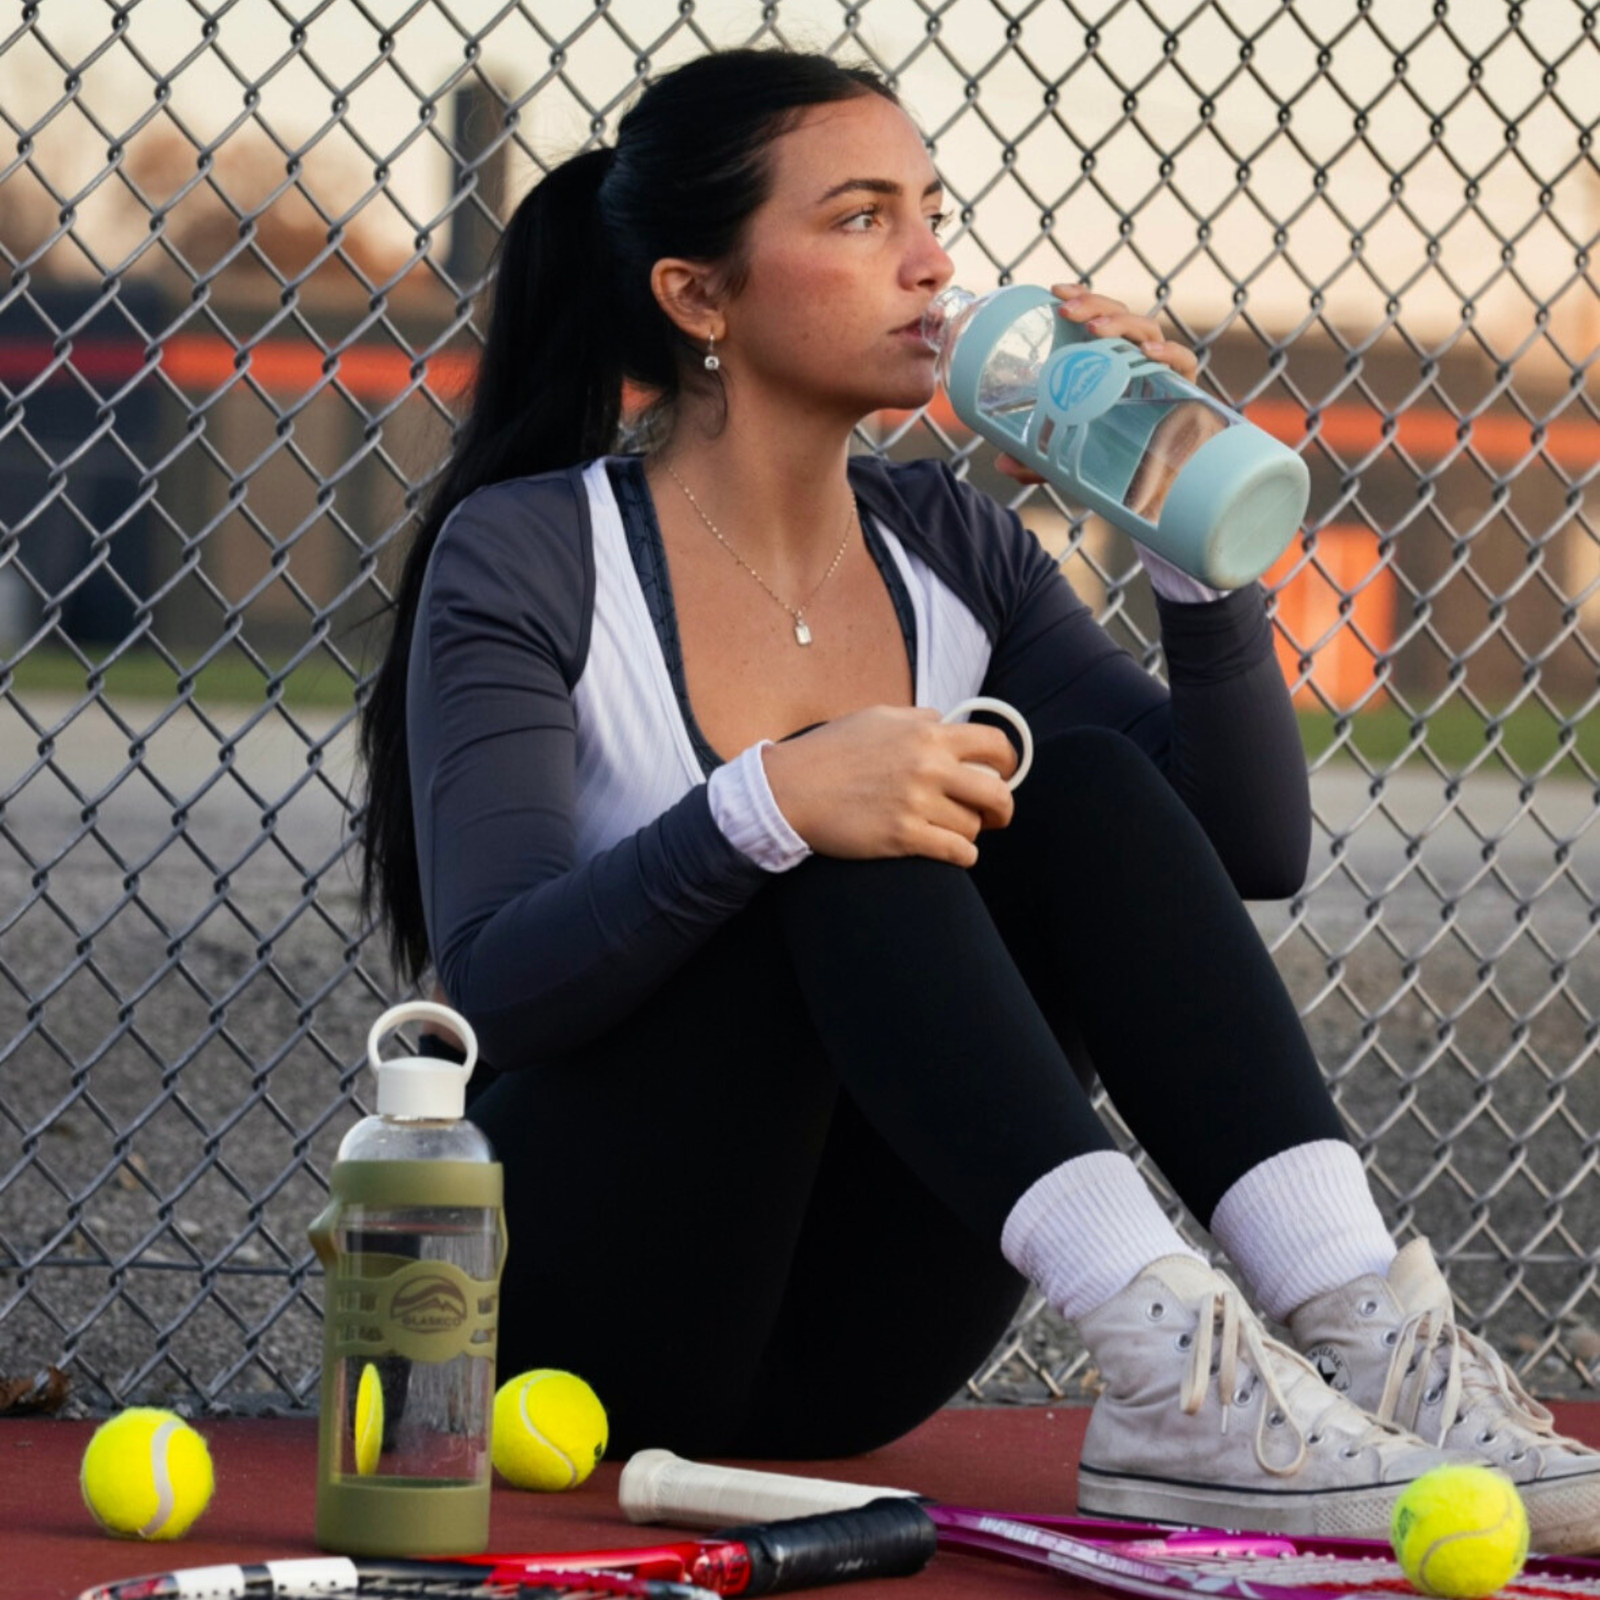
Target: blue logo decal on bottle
1083, 380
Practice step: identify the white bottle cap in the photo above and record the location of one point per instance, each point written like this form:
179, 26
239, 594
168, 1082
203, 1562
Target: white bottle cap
422, 1086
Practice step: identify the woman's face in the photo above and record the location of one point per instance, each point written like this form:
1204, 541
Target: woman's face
843, 260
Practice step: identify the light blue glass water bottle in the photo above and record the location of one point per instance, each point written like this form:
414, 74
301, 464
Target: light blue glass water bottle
1119, 433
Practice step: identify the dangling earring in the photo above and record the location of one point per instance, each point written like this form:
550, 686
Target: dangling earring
713, 360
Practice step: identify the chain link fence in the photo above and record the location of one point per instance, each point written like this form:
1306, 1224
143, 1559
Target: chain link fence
243, 245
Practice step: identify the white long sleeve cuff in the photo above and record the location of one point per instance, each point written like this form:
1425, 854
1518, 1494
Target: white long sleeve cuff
1172, 583
742, 806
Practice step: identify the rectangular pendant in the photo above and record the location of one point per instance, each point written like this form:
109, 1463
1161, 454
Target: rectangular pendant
802, 634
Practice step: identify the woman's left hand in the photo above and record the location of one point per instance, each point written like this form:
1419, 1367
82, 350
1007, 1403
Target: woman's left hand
1105, 318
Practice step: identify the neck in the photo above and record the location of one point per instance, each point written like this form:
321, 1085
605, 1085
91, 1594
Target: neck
775, 488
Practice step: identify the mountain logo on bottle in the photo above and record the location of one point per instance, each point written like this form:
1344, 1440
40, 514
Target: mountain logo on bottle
1081, 381
429, 1303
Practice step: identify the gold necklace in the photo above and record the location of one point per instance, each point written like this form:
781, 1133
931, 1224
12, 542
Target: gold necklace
802, 629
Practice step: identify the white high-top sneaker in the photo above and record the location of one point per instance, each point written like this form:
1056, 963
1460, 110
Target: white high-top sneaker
1393, 1346
1206, 1419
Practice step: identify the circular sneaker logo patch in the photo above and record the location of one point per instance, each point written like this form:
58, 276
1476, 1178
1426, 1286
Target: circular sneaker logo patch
1083, 380
1328, 1361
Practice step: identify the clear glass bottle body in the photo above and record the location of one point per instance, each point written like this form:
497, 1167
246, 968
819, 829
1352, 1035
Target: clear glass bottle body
435, 1414
1136, 440
415, 1139
1009, 383
412, 1242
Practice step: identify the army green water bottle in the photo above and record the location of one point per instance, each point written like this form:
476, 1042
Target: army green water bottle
411, 1245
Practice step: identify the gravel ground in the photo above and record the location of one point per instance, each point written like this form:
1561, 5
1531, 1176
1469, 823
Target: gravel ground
182, 1017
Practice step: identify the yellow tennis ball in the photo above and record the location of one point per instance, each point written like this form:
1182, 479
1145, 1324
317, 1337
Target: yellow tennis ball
549, 1430
369, 1421
1460, 1532
146, 1475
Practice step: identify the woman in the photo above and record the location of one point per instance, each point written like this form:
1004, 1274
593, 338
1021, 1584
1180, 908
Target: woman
784, 988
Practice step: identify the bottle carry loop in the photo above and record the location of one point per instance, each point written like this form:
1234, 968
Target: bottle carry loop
422, 1086
423, 1011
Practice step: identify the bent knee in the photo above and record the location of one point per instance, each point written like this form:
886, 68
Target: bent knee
1094, 747
1098, 767
1094, 788
882, 881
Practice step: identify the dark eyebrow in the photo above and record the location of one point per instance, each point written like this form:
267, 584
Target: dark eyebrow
877, 186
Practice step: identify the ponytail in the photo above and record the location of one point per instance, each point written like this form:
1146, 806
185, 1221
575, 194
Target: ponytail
549, 388
548, 393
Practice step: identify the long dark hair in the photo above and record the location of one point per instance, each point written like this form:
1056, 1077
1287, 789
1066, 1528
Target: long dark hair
573, 318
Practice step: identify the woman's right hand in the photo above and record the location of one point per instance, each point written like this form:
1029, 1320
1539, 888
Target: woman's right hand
893, 781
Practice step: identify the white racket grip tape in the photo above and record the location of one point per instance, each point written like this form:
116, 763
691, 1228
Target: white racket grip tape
306, 1576
658, 1486
327, 1575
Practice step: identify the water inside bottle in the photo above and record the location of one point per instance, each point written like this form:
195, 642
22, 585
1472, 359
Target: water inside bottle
1135, 449
435, 1415
1009, 382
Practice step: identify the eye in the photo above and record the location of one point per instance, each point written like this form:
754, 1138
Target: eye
868, 217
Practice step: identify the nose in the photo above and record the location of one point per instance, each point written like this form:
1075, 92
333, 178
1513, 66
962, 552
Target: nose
929, 265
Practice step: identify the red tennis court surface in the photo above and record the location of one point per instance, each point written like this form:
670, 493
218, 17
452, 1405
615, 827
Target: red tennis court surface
1015, 1460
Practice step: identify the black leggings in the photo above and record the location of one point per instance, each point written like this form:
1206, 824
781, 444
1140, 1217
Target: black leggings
761, 1214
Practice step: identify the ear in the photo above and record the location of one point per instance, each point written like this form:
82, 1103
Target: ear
688, 293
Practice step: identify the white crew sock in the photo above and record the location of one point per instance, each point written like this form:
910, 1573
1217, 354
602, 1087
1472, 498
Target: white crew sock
1087, 1229
1301, 1223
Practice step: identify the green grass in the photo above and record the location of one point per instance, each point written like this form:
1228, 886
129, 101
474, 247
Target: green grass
231, 679
1455, 733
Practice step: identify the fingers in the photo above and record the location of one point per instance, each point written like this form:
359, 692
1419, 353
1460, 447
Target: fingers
984, 744
976, 784
948, 830
983, 793
894, 781
940, 844
951, 823
1015, 469
965, 791
1105, 318
1179, 357
949, 816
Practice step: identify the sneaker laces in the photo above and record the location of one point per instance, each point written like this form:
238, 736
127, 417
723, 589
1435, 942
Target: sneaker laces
1473, 1372
1241, 1335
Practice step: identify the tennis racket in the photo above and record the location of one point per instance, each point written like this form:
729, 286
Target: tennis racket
387, 1580
743, 1561
1130, 1558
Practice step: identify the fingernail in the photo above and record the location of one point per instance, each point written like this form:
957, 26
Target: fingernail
1150, 346
1098, 322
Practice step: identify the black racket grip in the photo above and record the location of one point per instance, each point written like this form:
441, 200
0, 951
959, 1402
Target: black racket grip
888, 1538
